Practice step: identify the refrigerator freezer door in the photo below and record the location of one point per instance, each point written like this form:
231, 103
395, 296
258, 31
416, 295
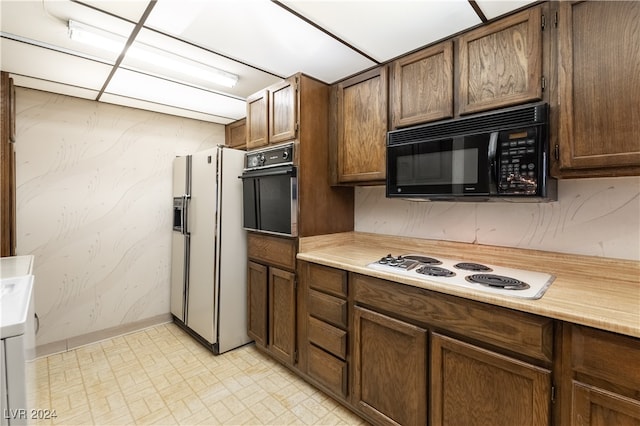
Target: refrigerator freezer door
178, 262
202, 226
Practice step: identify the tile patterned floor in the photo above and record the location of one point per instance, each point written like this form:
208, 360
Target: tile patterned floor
161, 376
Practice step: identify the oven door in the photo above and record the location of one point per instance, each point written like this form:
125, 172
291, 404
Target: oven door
449, 167
270, 200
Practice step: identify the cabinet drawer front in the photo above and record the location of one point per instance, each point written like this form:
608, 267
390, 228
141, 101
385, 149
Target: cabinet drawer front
328, 337
606, 355
328, 308
328, 370
278, 251
515, 331
328, 280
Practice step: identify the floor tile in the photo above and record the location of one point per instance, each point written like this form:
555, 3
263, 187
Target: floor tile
162, 376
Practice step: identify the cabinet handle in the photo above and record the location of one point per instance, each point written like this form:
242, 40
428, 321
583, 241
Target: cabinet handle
37, 318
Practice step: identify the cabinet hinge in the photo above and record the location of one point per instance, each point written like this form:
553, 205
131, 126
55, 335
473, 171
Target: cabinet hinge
297, 126
556, 152
543, 21
553, 394
295, 357
543, 83
555, 20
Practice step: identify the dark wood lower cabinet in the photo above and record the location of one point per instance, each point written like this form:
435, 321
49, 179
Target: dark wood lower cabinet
282, 313
390, 369
258, 303
597, 407
474, 386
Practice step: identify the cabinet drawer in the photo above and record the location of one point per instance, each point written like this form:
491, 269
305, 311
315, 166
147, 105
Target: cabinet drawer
328, 280
606, 356
328, 308
328, 370
328, 337
278, 251
513, 331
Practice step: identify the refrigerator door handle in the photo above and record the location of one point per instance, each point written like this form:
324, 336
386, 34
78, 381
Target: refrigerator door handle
185, 214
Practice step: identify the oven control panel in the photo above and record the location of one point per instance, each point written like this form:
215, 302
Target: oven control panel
269, 157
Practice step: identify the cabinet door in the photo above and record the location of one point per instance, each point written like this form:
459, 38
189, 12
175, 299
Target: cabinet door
282, 309
473, 386
599, 86
362, 127
257, 301
501, 63
257, 120
390, 371
236, 134
597, 407
283, 111
421, 87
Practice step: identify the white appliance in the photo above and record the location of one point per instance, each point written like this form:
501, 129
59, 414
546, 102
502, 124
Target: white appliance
481, 277
209, 248
18, 325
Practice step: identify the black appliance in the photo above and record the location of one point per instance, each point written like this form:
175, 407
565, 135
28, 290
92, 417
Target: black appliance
270, 192
498, 155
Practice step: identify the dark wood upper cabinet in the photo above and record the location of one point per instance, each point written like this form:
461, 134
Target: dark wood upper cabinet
236, 134
361, 126
598, 89
421, 86
283, 111
258, 119
500, 64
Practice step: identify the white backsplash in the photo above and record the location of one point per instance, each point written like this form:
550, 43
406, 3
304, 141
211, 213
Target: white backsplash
94, 207
594, 217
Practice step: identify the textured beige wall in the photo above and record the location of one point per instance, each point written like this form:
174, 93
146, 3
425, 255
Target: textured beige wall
593, 217
94, 207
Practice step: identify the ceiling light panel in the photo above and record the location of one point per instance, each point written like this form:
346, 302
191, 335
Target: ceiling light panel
386, 29
46, 64
261, 34
493, 8
47, 22
250, 79
152, 89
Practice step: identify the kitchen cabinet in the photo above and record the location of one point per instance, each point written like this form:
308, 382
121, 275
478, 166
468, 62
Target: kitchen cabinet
271, 295
359, 107
324, 334
602, 389
421, 86
484, 359
598, 89
7, 167
500, 64
474, 386
390, 371
236, 134
272, 114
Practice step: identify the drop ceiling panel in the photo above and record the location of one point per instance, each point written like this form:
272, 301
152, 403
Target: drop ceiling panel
250, 79
493, 8
259, 33
387, 29
50, 86
128, 9
46, 64
46, 23
151, 89
165, 109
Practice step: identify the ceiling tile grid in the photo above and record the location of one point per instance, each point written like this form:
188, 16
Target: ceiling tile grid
259, 41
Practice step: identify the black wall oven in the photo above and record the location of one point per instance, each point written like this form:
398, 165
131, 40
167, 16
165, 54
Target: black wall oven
270, 191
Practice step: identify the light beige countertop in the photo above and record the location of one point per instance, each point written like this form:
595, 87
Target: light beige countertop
598, 292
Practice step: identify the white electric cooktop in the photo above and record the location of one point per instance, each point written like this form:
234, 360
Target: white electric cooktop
481, 277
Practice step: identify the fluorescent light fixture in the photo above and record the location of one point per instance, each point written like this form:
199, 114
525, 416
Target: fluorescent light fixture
115, 43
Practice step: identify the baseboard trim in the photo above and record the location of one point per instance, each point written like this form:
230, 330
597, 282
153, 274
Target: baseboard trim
97, 336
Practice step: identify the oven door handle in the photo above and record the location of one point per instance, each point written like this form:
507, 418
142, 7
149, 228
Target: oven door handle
291, 171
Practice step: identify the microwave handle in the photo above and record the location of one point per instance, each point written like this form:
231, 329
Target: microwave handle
493, 162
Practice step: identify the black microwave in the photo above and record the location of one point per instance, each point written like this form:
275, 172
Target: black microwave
499, 155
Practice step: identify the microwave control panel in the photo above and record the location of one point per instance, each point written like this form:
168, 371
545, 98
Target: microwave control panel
518, 168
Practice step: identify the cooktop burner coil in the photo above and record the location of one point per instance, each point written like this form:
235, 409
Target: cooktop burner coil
470, 266
498, 281
424, 259
435, 271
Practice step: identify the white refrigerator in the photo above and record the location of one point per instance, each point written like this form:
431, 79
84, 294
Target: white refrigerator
209, 248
